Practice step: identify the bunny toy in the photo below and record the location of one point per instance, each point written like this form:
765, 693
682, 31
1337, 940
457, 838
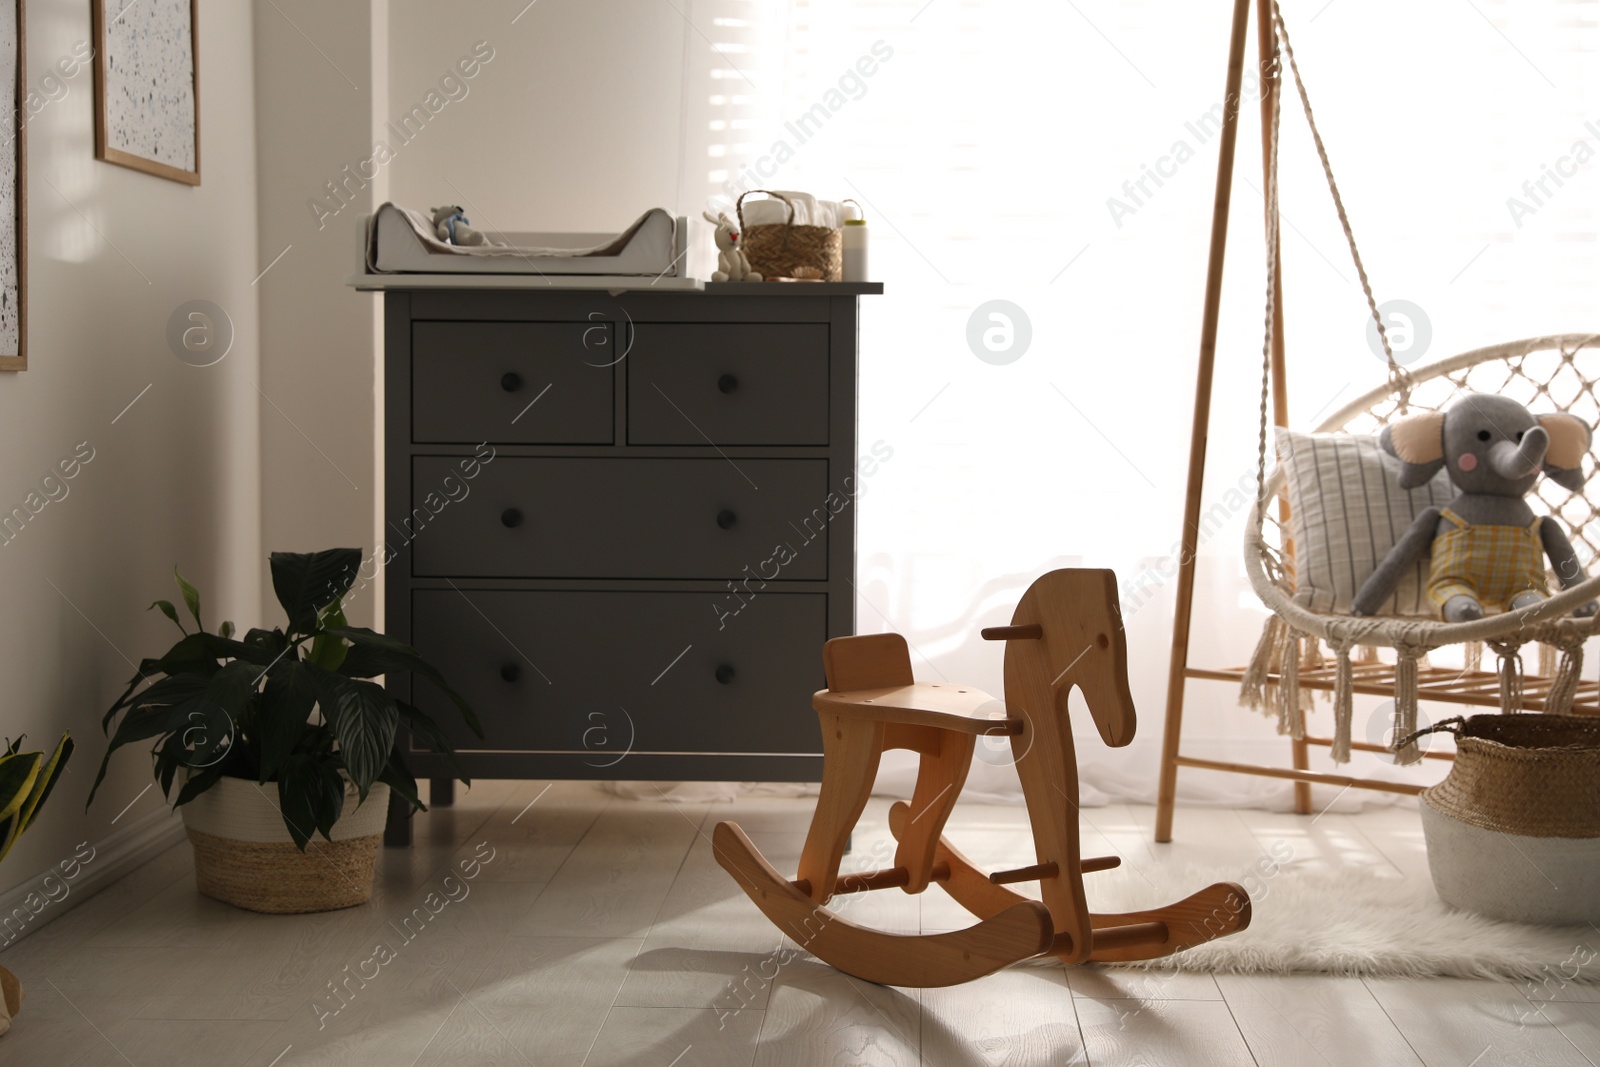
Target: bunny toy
732, 264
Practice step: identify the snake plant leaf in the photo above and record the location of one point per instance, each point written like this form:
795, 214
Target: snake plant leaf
170, 612
307, 582
49, 774
18, 772
191, 598
380, 651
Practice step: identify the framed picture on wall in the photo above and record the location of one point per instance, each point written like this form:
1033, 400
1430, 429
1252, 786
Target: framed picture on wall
147, 86
13, 191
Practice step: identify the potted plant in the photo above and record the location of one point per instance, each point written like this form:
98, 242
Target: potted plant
26, 779
280, 736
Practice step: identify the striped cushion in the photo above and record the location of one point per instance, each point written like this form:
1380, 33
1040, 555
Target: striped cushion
1347, 510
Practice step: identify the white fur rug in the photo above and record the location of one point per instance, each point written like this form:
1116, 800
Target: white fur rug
1353, 923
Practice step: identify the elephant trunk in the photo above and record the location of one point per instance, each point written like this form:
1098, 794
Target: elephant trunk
1517, 461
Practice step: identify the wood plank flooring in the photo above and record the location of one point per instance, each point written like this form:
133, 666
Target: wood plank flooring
602, 933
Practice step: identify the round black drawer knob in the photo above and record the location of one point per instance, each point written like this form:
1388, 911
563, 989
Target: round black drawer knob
727, 519
511, 672
511, 381
728, 384
511, 518
725, 673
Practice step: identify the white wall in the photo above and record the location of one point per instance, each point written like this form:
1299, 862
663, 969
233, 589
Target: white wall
315, 88
112, 252
573, 125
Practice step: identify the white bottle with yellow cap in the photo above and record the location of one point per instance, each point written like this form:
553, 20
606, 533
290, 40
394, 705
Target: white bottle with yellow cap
853, 240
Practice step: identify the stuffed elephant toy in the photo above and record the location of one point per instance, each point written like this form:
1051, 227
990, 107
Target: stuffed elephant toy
1487, 548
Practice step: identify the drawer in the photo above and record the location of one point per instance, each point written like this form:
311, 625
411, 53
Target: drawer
728, 384
636, 517
512, 382
611, 672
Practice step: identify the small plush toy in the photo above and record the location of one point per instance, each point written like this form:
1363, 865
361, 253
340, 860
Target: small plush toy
732, 264
452, 226
1487, 547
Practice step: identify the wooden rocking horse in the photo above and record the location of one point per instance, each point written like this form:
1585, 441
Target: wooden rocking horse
1065, 633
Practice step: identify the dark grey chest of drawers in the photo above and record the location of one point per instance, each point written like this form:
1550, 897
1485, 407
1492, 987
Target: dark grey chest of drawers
622, 525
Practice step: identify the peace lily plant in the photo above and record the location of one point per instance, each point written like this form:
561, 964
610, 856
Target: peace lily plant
292, 705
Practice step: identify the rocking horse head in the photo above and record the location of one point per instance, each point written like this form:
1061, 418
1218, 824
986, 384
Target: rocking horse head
1079, 643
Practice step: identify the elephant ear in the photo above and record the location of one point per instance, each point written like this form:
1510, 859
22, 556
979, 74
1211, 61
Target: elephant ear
1417, 441
1570, 437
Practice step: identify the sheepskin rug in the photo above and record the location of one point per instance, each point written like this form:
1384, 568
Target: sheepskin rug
1353, 923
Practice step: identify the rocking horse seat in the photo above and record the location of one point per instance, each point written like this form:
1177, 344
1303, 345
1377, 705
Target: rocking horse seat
964, 709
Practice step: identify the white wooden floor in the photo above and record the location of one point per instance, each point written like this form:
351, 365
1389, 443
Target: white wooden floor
603, 933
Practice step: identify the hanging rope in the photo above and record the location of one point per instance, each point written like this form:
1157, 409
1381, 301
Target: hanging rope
1399, 377
1276, 96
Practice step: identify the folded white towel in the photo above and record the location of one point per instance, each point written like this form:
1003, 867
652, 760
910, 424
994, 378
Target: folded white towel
808, 211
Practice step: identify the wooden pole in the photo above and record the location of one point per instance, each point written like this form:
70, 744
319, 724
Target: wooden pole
1189, 542
1271, 77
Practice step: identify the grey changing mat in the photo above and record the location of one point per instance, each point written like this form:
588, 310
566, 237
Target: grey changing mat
402, 241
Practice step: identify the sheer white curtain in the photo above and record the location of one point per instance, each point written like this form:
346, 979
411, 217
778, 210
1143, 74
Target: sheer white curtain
1061, 157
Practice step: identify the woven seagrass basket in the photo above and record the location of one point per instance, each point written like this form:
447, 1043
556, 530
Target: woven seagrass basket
790, 251
243, 854
1514, 831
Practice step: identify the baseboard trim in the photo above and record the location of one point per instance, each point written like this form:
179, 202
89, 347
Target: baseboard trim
115, 856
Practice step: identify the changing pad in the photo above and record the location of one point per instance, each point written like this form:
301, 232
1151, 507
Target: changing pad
402, 241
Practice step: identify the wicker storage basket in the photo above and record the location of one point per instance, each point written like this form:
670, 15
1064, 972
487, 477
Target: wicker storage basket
1514, 831
780, 251
243, 854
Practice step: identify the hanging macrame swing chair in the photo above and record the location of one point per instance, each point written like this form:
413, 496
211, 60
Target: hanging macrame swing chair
1558, 372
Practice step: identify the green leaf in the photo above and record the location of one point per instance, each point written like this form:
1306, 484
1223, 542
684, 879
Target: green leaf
198, 783
49, 773
17, 775
184, 704
226, 629
398, 777
273, 641
201, 650
283, 714
148, 668
364, 718
425, 733
328, 649
378, 650
307, 582
170, 612
310, 796
191, 598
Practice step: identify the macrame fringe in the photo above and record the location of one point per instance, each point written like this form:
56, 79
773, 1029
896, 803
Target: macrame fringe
1343, 701
1405, 705
1471, 655
1510, 675
1547, 659
1254, 685
1291, 715
1565, 687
